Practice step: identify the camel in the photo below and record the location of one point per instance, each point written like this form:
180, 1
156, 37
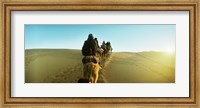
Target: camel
91, 71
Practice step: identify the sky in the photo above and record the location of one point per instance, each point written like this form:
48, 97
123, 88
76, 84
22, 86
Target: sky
123, 38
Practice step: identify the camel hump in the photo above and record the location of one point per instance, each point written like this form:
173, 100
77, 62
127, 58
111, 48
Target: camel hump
88, 59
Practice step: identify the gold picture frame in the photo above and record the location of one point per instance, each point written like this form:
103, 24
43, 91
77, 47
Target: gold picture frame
154, 5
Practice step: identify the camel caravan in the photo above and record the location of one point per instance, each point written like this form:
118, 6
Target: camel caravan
94, 58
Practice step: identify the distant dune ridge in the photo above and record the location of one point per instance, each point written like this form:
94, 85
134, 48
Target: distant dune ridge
65, 66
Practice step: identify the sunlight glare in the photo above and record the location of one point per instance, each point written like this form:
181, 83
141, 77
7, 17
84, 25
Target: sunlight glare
169, 51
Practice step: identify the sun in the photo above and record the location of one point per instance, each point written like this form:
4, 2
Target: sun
169, 50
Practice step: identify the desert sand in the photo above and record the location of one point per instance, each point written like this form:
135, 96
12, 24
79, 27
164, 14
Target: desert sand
143, 67
65, 66
53, 66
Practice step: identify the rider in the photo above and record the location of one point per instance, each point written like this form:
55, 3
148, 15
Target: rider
97, 43
89, 50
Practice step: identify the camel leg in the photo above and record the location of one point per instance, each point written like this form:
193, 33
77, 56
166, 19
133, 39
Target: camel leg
95, 78
96, 72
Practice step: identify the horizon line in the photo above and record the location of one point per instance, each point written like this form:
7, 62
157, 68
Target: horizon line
80, 50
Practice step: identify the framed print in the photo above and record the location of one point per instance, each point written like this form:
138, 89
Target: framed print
100, 53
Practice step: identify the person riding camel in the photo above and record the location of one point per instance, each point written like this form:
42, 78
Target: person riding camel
97, 42
108, 45
89, 50
103, 45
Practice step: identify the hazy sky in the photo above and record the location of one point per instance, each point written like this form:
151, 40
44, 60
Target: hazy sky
131, 38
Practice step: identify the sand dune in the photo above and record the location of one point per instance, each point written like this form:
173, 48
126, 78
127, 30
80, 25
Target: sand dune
65, 66
143, 67
53, 65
